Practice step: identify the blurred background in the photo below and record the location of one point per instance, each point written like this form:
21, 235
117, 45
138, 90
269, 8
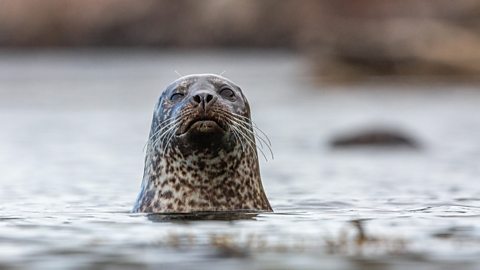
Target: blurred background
343, 39
372, 107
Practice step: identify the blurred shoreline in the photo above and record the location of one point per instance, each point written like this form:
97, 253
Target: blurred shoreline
9, 57
345, 41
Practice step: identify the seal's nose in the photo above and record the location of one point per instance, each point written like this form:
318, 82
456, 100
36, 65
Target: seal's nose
203, 99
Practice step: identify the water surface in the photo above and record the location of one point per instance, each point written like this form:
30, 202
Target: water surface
71, 159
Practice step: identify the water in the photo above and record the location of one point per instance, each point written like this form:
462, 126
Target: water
73, 129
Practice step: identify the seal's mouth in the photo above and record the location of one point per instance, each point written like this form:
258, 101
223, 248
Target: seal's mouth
202, 125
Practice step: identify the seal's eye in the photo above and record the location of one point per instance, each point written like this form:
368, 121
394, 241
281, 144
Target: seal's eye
176, 96
227, 93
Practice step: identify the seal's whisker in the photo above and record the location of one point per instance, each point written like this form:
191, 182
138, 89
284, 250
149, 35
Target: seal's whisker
263, 133
169, 125
161, 130
237, 137
155, 142
250, 123
254, 125
170, 129
161, 124
252, 142
260, 139
165, 132
235, 133
248, 140
150, 138
247, 127
165, 127
168, 141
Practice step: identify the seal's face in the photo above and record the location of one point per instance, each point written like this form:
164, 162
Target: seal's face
196, 112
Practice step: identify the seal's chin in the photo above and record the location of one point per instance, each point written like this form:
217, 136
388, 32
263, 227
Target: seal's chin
202, 134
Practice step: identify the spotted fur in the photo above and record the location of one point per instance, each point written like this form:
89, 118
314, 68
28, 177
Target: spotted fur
204, 171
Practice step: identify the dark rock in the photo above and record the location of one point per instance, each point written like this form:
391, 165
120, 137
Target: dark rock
374, 138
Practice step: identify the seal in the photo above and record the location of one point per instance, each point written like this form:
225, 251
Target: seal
201, 154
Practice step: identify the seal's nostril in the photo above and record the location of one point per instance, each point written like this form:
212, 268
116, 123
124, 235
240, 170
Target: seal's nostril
203, 98
197, 98
208, 98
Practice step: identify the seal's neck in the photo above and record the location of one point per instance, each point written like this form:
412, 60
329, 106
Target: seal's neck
198, 182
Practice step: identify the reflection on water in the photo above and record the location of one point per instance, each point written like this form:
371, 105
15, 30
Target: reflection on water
71, 160
224, 216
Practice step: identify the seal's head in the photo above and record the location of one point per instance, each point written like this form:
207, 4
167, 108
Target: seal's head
201, 153
199, 109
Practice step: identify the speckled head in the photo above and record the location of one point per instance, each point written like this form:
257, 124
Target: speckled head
201, 155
